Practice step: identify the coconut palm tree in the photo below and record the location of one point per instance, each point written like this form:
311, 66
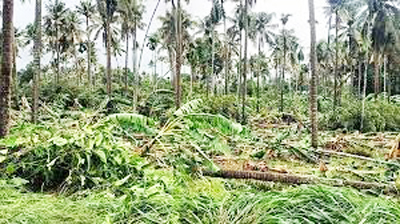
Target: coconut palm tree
72, 36
131, 13
87, 9
380, 14
248, 3
168, 36
215, 17
6, 66
177, 12
261, 32
107, 9
284, 20
152, 44
313, 89
336, 9
53, 25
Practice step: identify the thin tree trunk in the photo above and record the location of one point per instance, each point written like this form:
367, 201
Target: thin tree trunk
14, 94
359, 78
239, 75
147, 32
172, 67
178, 56
226, 59
89, 64
126, 63
6, 66
384, 74
389, 81
57, 53
336, 94
377, 82
364, 92
134, 69
192, 69
258, 77
313, 89
244, 84
282, 80
276, 73
212, 59
108, 46
155, 69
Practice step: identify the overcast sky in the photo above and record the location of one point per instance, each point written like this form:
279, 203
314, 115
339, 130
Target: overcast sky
24, 14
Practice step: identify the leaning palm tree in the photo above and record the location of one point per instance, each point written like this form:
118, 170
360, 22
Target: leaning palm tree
313, 89
87, 9
6, 66
107, 9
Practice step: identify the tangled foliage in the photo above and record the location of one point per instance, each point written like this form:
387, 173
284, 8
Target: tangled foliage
69, 155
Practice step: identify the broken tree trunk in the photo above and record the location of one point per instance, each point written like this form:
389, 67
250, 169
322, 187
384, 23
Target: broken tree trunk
298, 179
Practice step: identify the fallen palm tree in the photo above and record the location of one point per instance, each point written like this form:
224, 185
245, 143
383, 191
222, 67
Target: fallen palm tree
299, 179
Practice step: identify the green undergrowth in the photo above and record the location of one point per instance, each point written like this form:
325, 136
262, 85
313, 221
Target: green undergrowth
171, 198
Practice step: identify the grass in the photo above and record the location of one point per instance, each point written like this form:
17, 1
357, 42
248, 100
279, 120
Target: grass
204, 200
32, 208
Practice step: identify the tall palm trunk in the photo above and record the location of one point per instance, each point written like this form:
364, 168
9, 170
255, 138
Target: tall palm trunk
178, 56
126, 63
282, 82
89, 64
336, 100
377, 83
14, 94
313, 89
359, 78
37, 56
108, 46
364, 94
226, 59
212, 60
258, 77
239, 75
192, 71
134, 62
172, 67
57, 52
244, 87
6, 66
384, 74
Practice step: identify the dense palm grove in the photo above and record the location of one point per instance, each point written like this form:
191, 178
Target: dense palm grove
87, 142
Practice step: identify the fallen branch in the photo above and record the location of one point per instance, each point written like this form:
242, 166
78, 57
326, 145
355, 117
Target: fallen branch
343, 154
298, 179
